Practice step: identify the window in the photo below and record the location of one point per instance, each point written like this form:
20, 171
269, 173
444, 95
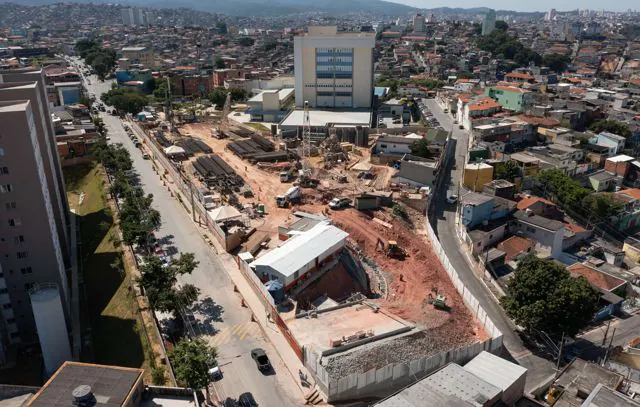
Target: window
6, 188
26, 270
22, 255
19, 239
3, 291
28, 286
11, 320
10, 206
1, 152
4, 170
531, 230
15, 222
14, 335
7, 306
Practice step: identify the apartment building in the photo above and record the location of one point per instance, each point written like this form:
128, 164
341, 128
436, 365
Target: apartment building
334, 69
32, 252
138, 56
34, 215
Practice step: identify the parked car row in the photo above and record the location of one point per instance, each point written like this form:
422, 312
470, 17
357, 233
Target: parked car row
427, 115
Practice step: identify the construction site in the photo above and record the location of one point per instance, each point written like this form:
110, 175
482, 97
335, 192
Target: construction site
372, 295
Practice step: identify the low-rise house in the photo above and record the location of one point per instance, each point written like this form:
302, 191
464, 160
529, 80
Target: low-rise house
479, 107
417, 171
516, 247
579, 379
480, 208
394, 144
611, 288
620, 164
500, 187
477, 175
548, 233
628, 217
510, 97
613, 141
602, 181
541, 207
519, 77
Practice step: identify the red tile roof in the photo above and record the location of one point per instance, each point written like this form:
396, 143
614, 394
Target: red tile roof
512, 89
484, 104
594, 277
518, 75
515, 245
527, 202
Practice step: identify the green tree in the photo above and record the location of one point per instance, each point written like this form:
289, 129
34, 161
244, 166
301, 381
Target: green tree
556, 62
501, 25
568, 191
238, 95
159, 283
84, 45
542, 295
504, 46
137, 218
125, 100
611, 126
86, 101
507, 170
160, 88
420, 148
246, 41
218, 97
601, 205
191, 361
221, 26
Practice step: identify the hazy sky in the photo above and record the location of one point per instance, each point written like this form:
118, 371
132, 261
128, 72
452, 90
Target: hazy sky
520, 5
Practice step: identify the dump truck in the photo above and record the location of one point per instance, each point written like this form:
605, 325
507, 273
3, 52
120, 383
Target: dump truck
288, 175
292, 195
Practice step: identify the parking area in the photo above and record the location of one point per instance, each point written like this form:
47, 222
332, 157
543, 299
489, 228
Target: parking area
427, 115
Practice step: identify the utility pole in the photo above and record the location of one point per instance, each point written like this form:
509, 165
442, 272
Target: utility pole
560, 353
306, 140
606, 332
606, 355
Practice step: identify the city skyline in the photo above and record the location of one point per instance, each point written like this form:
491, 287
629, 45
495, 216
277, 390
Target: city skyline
542, 6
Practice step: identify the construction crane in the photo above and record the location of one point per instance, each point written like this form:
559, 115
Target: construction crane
169, 106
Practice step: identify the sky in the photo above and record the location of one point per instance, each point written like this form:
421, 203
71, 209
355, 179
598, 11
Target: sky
520, 5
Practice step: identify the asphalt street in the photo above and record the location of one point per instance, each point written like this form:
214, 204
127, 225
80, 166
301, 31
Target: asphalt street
218, 316
539, 368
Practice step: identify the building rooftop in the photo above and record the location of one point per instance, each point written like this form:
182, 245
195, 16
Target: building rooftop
620, 158
133, 49
516, 246
527, 202
603, 396
611, 136
322, 118
319, 332
473, 198
602, 175
595, 277
524, 158
539, 221
478, 166
494, 370
301, 249
580, 378
282, 94
111, 385
462, 384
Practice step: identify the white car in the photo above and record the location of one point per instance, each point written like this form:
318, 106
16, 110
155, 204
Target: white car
451, 199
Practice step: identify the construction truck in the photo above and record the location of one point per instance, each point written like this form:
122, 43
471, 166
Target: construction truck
438, 301
292, 195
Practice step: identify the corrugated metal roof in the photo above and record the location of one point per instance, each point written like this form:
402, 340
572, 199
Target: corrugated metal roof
301, 249
495, 370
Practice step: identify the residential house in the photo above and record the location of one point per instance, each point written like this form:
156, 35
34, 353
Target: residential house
619, 164
613, 141
479, 107
510, 97
477, 175
611, 288
548, 233
500, 187
516, 247
519, 77
629, 215
479, 208
602, 181
417, 171
541, 207
394, 145
138, 56
631, 248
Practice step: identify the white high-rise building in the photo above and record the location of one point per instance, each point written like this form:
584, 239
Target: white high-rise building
489, 22
334, 69
551, 15
134, 16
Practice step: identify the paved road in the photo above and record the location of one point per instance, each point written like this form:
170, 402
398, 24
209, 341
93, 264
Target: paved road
219, 314
538, 368
590, 344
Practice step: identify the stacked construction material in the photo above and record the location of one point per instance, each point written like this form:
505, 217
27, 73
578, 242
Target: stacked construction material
194, 146
217, 174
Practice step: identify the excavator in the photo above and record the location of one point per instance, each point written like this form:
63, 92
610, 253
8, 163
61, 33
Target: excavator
392, 249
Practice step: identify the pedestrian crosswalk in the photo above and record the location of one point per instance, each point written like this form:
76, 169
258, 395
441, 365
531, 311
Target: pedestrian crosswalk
234, 333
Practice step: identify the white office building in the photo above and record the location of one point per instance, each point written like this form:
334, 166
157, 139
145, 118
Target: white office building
334, 69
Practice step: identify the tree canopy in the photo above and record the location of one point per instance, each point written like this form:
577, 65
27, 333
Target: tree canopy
601, 205
504, 46
220, 63
420, 148
246, 41
611, 126
501, 25
102, 60
568, 191
125, 100
556, 62
543, 296
507, 170
159, 283
191, 361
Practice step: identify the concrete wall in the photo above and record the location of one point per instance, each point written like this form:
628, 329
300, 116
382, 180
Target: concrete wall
417, 173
